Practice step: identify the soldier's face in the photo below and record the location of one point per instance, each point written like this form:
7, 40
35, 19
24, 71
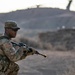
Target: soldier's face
12, 33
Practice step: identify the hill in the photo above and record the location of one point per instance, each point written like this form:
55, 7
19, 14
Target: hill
39, 19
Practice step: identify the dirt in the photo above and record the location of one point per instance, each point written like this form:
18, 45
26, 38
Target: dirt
56, 63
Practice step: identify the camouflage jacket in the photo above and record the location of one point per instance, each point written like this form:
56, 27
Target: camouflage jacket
13, 53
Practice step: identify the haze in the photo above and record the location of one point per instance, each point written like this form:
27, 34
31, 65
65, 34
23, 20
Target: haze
12, 5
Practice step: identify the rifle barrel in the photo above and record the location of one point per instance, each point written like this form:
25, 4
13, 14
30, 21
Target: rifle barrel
42, 55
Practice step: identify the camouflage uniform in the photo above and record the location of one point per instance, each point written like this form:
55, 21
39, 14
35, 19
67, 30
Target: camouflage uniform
9, 54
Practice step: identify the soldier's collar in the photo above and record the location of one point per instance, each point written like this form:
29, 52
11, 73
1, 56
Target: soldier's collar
6, 36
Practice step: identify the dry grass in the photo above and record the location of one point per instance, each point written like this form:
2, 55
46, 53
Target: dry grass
56, 63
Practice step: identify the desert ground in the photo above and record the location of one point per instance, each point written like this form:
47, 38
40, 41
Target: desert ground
56, 63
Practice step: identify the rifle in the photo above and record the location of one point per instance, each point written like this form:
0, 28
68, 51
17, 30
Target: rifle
30, 49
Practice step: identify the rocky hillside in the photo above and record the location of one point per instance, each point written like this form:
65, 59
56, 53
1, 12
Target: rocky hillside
63, 39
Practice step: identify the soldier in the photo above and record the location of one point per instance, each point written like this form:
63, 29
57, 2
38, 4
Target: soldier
10, 53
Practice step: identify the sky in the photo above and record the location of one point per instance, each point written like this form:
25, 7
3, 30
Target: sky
13, 5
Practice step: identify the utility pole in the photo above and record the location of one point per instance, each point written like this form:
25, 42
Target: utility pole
69, 4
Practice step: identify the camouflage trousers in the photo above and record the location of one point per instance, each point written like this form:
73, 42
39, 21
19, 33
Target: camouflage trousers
12, 69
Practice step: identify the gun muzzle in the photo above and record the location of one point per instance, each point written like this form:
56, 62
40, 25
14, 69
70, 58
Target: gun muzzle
43, 55
40, 54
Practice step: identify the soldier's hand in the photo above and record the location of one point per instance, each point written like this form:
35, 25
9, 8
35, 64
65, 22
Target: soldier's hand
32, 50
36, 52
